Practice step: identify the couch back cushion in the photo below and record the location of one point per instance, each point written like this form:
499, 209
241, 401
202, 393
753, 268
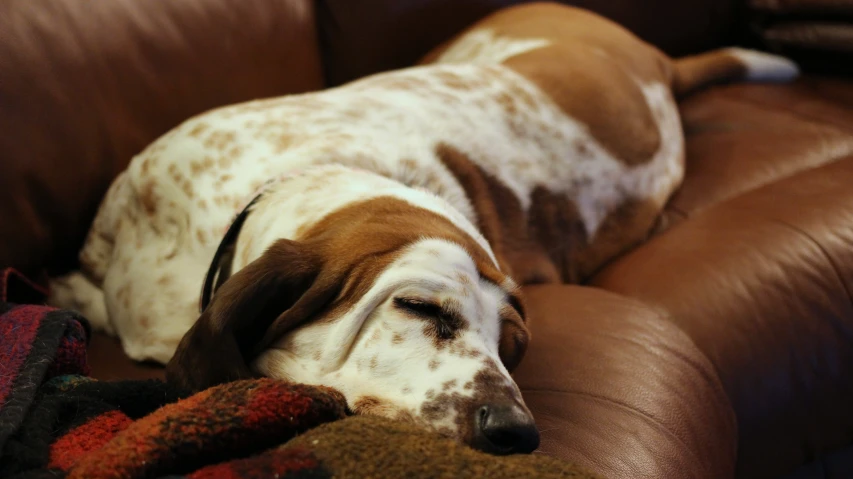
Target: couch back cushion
367, 36
86, 85
815, 33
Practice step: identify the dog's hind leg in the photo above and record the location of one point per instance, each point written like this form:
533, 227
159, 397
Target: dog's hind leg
152, 295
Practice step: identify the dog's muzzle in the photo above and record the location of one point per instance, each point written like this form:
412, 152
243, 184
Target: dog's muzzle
503, 429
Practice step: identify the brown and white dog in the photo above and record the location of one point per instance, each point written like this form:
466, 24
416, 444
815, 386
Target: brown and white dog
397, 216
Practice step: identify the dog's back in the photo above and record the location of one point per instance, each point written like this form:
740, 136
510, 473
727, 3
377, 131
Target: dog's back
616, 101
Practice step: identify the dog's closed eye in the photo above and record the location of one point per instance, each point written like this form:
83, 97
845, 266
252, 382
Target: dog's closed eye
446, 322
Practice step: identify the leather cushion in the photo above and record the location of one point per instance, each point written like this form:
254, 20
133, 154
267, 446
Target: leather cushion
608, 378
816, 33
86, 85
759, 272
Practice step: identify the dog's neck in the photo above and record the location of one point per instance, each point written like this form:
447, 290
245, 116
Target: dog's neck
289, 205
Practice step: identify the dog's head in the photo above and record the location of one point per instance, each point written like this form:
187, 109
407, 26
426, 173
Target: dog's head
391, 304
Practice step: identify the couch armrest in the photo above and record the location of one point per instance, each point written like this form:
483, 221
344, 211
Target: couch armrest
619, 389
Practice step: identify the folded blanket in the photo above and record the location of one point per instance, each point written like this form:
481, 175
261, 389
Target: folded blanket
56, 422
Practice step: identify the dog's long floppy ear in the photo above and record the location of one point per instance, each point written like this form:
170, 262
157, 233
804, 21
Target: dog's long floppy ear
276, 292
514, 333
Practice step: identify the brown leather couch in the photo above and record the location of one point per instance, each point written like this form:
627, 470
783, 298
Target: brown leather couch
721, 348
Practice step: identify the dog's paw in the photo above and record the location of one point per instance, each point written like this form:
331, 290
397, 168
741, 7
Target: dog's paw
75, 292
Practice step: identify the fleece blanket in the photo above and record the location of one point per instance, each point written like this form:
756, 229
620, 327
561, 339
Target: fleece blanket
56, 422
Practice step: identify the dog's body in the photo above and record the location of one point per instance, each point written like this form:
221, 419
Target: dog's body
533, 148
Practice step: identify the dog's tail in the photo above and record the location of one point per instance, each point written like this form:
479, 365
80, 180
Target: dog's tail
728, 65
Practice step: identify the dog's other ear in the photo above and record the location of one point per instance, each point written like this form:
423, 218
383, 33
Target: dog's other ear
514, 332
278, 291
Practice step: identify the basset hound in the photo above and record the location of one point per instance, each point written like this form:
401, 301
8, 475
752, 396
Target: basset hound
372, 237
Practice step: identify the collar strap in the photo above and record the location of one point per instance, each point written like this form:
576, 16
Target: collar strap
223, 259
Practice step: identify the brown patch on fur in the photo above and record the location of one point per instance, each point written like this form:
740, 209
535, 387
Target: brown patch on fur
489, 387
601, 58
283, 142
380, 229
164, 280
433, 364
402, 83
409, 164
220, 140
123, 295
501, 220
202, 205
225, 161
460, 350
397, 338
198, 130
148, 198
187, 188
201, 236
549, 244
619, 118
375, 337
235, 151
451, 80
555, 223
508, 103
123, 291
625, 227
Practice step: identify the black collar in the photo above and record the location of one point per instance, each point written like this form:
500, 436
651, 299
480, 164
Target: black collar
223, 259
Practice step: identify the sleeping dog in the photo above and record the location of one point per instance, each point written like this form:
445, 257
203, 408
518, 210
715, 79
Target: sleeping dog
372, 237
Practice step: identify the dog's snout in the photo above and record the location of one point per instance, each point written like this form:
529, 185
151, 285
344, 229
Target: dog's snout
505, 429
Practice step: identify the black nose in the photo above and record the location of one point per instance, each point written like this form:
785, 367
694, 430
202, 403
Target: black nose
504, 429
